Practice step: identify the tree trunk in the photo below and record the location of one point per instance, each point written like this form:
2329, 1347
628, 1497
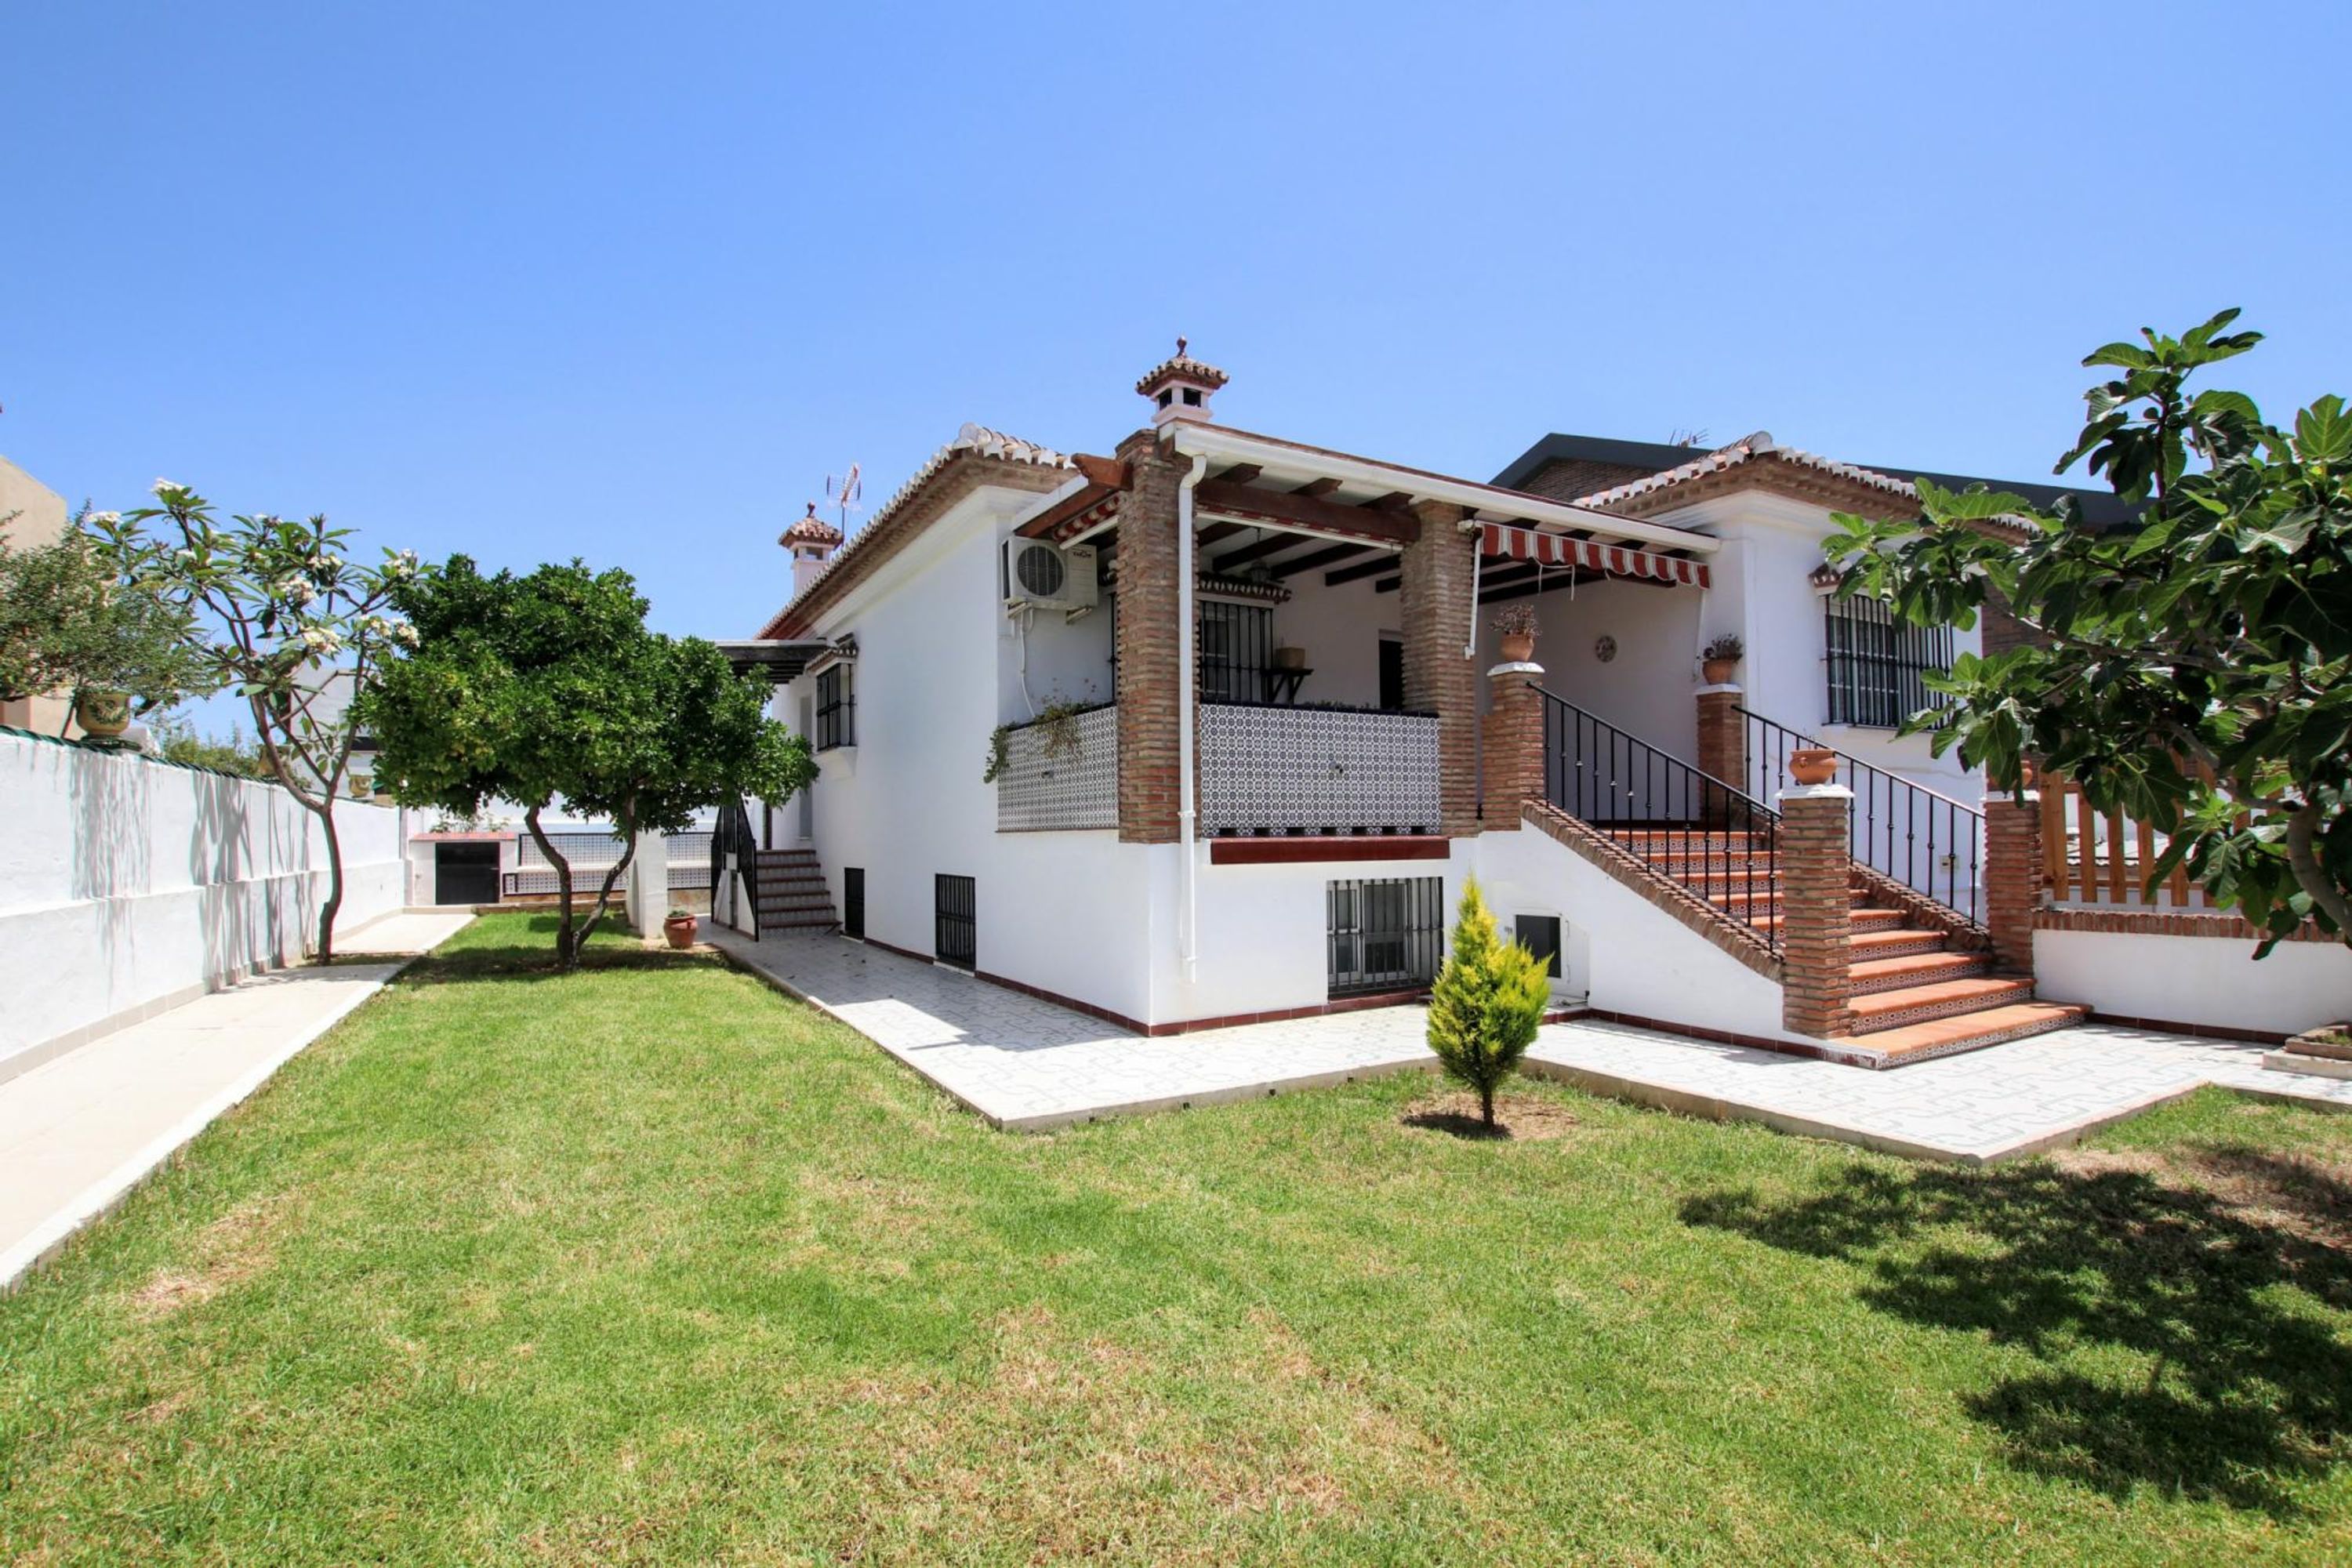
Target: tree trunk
2302, 829
567, 952
333, 906
1487, 1104
605, 893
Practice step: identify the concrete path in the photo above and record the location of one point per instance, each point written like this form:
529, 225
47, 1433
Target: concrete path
78, 1133
1027, 1065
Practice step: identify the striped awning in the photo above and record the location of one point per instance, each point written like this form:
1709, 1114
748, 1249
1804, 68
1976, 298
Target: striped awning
1511, 543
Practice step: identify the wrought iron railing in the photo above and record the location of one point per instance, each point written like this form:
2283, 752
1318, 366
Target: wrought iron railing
1905, 832
1690, 826
731, 837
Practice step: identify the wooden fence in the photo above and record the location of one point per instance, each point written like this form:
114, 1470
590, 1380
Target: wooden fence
2095, 859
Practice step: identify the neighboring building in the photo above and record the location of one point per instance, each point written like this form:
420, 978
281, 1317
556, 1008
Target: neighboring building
31, 513
1216, 727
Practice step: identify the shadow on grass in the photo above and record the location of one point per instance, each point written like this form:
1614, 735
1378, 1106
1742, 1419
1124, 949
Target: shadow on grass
2246, 1388
526, 951
1457, 1125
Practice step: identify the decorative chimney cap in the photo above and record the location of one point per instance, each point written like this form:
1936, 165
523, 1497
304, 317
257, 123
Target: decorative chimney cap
1825, 575
811, 529
1179, 367
1179, 387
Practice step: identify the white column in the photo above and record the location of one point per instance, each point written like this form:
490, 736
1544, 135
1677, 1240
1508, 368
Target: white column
649, 885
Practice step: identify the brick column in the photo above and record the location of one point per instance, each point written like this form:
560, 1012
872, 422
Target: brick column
1148, 735
1436, 611
1816, 905
1515, 732
2013, 874
1722, 743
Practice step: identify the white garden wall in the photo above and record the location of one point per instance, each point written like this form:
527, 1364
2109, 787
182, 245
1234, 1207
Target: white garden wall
2211, 982
128, 884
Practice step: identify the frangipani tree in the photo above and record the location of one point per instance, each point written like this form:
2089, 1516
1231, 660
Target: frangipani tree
70, 624
279, 610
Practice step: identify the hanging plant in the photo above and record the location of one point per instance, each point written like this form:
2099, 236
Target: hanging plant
1000, 754
1059, 727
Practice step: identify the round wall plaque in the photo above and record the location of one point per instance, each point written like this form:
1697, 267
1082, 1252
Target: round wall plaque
1605, 649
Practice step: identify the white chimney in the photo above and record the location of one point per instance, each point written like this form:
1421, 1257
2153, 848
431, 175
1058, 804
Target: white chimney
1180, 388
811, 541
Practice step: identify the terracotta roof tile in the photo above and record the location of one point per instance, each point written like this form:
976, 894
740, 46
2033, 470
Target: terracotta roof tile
1751, 448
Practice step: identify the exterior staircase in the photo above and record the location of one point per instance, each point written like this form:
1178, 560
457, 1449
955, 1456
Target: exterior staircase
790, 892
1921, 984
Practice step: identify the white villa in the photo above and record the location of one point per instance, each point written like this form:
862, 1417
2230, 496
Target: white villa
1216, 726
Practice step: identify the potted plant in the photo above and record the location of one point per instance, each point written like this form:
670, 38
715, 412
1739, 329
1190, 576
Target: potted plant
103, 711
1288, 658
1812, 765
1718, 658
1515, 625
679, 928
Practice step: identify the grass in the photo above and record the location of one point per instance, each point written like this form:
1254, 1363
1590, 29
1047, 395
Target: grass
648, 1263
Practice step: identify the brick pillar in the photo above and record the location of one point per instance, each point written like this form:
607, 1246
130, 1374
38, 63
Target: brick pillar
1722, 744
1148, 734
1816, 904
1515, 731
2013, 874
1436, 611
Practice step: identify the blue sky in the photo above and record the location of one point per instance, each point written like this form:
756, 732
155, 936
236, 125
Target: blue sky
627, 281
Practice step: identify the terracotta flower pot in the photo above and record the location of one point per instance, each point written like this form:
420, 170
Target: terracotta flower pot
680, 931
1518, 647
1718, 671
1812, 765
1290, 659
102, 714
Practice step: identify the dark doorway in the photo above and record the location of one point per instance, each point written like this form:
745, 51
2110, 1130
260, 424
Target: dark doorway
1539, 934
466, 873
852, 901
1392, 674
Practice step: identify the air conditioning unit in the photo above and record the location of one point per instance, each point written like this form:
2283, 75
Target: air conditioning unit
1042, 577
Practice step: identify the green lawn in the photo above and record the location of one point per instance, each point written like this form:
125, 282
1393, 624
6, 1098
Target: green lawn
649, 1264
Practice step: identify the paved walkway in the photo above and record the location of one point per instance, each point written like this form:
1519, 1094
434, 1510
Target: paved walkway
1027, 1065
78, 1133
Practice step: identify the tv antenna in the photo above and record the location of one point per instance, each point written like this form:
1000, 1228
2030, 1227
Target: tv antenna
842, 492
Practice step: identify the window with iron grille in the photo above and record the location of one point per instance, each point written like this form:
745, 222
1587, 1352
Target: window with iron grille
837, 709
1877, 664
1386, 933
955, 923
1236, 650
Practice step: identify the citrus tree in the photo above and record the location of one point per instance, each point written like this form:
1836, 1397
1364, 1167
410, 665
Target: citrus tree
549, 688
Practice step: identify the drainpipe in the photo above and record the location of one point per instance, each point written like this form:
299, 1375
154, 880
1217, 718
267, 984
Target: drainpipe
1189, 937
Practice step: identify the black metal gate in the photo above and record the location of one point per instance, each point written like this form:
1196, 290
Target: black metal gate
853, 901
954, 936
465, 873
1385, 934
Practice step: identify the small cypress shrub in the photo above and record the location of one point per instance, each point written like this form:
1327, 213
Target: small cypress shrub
1487, 1003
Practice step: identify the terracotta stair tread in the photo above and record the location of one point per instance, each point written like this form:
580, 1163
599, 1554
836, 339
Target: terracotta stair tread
1964, 1031
1947, 996
1924, 966
1878, 942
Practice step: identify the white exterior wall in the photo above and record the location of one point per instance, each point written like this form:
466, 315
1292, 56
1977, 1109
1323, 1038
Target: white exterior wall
128, 884
2198, 980
938, 669
1649, 689
1339, 631
1621, 952
1761, 595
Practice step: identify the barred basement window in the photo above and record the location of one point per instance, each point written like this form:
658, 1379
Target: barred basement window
1236, 650
1385, 934
1877, 664
955, 922
837, 709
